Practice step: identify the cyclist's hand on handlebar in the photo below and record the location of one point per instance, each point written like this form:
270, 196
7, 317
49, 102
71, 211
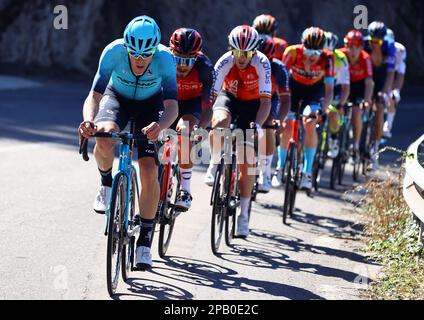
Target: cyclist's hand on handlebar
152, 131
87, 129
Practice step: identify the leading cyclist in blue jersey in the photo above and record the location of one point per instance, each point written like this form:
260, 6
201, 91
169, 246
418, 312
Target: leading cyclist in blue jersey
137, 79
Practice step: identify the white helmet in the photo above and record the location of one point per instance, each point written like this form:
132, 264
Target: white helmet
244, 38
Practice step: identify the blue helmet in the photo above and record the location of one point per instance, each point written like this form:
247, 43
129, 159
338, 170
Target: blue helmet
142, 34
377, 29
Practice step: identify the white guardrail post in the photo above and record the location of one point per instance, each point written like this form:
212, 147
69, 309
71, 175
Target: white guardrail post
413, 184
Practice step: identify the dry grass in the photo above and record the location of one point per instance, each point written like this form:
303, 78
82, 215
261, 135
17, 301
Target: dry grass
393, 241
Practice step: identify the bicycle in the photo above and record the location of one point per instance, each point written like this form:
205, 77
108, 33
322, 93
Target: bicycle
321, 154
339, 162
292, 171
170, 181
225, 196
122, 222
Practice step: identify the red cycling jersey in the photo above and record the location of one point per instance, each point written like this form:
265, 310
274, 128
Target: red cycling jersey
362, 69
280, 46
323, 70
252, 83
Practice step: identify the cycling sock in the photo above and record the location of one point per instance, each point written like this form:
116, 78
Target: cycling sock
106, 177
244, 207
146, 229
186, 179
390, 119
262, 164
282, 155
309, 160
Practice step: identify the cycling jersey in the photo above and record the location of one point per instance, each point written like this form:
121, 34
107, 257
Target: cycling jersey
388, 51
341, 68
322, 70
280, 46
400, 58
115, 71
362, 69
252, 83
199, 82
279, 78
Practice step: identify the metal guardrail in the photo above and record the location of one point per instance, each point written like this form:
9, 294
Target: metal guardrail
413, 184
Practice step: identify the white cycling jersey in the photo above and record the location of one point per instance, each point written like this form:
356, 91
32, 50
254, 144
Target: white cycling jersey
400, 58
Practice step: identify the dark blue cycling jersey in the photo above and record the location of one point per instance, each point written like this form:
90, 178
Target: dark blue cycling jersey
115, 71
388, 50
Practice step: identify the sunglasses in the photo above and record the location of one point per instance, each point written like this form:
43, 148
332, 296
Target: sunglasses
311, 52
189, 62
377, 41
143, 56
239, 53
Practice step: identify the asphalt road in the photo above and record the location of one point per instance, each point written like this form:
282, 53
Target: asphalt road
53, 245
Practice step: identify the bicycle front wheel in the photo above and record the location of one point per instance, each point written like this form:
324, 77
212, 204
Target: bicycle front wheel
230, 216
115, 233
289, 178
218, 209
167, 214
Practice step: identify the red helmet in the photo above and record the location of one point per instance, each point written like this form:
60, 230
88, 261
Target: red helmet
267, 46
353, 39
186, 41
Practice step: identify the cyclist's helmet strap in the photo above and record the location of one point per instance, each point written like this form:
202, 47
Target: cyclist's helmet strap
244, 38
265, 24
313, 38
142, 34
186, 41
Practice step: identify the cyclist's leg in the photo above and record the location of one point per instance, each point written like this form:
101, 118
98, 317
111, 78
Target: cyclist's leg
356, 97
190, 111
111, 117
221, 118
334, 123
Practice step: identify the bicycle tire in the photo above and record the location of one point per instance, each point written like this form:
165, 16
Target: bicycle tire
335, 168
128, 256
167, 215
114, 244
217, 210
230, 216
289, 182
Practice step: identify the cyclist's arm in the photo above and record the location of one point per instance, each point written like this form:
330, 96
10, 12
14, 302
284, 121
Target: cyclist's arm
100, 82
169, 91
391, 66
282, 80
222, 68
207, 77
264, 110
399, 81
400, 68
285, 101
369, 89
263, 68
329, 95
91, 105
345, 83
328, 82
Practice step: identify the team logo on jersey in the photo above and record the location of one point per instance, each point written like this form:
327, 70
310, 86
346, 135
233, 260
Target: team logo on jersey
149, 72
233, 87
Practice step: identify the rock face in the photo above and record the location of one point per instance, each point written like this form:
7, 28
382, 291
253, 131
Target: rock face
29, 42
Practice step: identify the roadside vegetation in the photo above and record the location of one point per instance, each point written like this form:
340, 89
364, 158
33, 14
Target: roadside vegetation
393, 241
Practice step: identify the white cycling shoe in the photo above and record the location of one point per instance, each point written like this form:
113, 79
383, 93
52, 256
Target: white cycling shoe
306, 182
334, 149
264, 184
102, 199
183, 201
277, 179
143, 258
210, 175
242, 226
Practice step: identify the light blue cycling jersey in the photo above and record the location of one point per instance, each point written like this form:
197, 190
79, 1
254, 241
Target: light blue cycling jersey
115, 71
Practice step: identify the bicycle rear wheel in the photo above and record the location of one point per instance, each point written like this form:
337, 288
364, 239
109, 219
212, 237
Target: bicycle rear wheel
167, 213
335, 169
218, 208
115, 233
128, 252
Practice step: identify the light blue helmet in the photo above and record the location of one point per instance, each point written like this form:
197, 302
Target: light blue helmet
390, 35
142, 34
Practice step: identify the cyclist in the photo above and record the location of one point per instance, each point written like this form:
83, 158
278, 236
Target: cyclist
400, 71
361, 83
266, 24
341, 92
243, 95
311, 70
383, 56
195, 76
136, 78
280, 105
